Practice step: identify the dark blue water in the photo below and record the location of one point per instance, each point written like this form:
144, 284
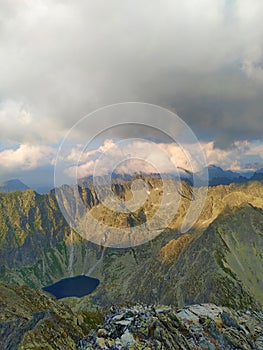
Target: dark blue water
77, 286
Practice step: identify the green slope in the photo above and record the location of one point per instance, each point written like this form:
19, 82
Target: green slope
220, 260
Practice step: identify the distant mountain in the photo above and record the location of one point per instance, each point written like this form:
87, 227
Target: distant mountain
217, 172
12, 186
42, 189
258, 175
17, 185
218, 176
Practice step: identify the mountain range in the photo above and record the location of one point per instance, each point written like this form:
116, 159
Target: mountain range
219, 260
216, 176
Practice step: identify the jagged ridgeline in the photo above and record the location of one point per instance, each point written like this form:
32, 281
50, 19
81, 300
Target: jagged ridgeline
220, 260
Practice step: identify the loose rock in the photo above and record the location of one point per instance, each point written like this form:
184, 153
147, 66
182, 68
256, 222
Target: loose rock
202, 326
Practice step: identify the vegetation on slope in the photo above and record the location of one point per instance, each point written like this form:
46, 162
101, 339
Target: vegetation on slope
219, 260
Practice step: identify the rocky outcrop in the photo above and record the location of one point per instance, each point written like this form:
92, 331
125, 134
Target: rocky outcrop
204, 326
171, 251
34, 320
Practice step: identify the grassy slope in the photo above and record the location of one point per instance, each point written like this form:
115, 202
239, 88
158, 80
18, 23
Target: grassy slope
224, 249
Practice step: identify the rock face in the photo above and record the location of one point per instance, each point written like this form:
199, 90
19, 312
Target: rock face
223, 265
34, 320
36, 241
203, 326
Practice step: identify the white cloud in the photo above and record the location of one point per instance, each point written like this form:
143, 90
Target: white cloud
26, 157
241, 155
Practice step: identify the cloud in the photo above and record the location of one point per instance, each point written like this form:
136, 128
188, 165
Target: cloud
242, 155
25, 157
35, 163
130, 157
62, 59
20, 124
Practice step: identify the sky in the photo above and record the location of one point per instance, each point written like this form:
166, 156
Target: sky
61, 60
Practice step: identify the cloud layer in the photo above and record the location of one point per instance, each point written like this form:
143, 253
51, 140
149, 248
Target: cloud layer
62, 59
24, 158
34, 163
241, 156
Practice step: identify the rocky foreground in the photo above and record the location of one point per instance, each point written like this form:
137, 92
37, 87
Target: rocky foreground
32, 319
203, 326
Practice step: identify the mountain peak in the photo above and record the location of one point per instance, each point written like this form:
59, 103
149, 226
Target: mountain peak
12, 186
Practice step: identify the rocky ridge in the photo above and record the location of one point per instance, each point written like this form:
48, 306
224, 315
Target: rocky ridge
203, 326
32, 319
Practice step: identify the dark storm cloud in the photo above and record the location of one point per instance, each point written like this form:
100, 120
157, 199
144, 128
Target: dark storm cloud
62, 59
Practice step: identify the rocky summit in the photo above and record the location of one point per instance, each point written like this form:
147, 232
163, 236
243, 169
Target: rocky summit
200, 326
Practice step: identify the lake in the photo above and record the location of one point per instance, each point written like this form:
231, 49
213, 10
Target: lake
77, 286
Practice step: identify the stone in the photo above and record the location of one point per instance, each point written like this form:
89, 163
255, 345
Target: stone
123, 322
187, 315
204, 326
127, 338
100, 342
228, 320
101, 333
118, 317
